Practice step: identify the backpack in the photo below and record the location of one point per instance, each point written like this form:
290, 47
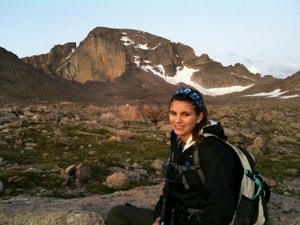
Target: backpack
254, 193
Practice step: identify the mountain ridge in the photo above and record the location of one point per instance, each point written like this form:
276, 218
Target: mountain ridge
107, 53
113, 66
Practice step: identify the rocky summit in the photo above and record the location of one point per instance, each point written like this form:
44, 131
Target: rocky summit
108, 54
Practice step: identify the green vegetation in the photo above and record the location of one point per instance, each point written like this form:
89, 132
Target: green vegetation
276, 167
57, 146
52, 147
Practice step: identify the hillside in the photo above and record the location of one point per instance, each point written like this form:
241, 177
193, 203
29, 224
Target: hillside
20, 82
123, 66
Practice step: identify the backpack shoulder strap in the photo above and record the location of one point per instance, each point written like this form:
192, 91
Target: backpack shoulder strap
196, 160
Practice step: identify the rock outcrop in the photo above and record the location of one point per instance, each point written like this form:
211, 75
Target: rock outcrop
106, 54
92, 210
51, 61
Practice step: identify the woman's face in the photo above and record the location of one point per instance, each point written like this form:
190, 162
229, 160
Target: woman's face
183, 118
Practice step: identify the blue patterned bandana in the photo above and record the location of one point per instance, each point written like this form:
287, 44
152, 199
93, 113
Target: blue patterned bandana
194, 95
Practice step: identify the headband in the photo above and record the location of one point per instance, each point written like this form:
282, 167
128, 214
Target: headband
194, 95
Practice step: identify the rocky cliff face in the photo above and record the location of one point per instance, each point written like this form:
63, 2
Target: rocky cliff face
51, 62
21, 82
106, 54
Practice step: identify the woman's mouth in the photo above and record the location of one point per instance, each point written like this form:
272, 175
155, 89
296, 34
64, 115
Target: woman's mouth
178, 127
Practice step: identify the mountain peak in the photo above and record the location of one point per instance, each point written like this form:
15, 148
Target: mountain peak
107, 55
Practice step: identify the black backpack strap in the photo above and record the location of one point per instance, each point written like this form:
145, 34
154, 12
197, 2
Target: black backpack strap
197, 164
267, 191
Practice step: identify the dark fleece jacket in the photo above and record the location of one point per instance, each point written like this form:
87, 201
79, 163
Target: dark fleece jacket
216, 199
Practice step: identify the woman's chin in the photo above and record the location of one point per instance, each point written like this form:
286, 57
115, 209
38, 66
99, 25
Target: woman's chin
179, 132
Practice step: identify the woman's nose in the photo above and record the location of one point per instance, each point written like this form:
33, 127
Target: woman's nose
178, 118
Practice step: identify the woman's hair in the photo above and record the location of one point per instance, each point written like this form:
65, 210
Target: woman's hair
196, 100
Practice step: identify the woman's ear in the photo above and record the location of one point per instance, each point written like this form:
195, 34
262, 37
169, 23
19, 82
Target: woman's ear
200, 117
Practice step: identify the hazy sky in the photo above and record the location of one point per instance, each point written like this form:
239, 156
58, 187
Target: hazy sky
264, 35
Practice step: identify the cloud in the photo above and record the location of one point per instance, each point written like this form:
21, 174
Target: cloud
252, 69
265, 67
252, 61
292, 66
284, 70
231, 54
260, 64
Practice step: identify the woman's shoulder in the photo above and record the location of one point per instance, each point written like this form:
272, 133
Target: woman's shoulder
212, 143
211, 139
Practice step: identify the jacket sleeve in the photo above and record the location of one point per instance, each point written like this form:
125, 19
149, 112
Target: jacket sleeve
165, 194
218, 167
158, 207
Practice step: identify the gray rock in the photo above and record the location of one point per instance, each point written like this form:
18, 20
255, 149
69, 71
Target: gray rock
117, 180
7, 118
132, 176
91, 210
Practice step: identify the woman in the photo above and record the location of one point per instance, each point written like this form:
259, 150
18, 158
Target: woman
186, 200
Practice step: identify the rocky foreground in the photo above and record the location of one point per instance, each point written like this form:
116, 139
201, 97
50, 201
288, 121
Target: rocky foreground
265, 130
92, 210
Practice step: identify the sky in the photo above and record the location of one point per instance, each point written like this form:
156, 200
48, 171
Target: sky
263, 35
